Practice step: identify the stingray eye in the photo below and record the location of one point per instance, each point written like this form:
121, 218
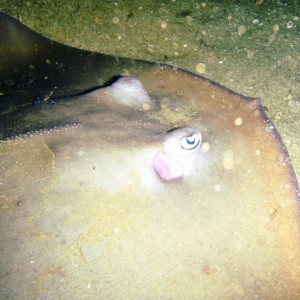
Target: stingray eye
190, 142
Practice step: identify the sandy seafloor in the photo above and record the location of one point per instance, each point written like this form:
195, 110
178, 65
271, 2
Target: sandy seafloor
251, 47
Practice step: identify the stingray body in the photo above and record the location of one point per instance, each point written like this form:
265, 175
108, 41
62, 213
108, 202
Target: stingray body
165, 186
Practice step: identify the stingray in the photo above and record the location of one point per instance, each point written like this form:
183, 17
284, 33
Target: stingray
128, 179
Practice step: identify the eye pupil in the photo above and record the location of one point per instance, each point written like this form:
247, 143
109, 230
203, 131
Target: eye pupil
190, 142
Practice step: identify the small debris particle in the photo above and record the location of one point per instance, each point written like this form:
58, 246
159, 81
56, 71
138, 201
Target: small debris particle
115, 20
150, 48
163, 25
275, 28
189, 19
272, 38
250, 54
278, 115
242, 30
200, 68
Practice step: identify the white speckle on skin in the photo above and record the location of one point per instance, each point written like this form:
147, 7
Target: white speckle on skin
217, 188
238, 121
205, 147
228, 162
